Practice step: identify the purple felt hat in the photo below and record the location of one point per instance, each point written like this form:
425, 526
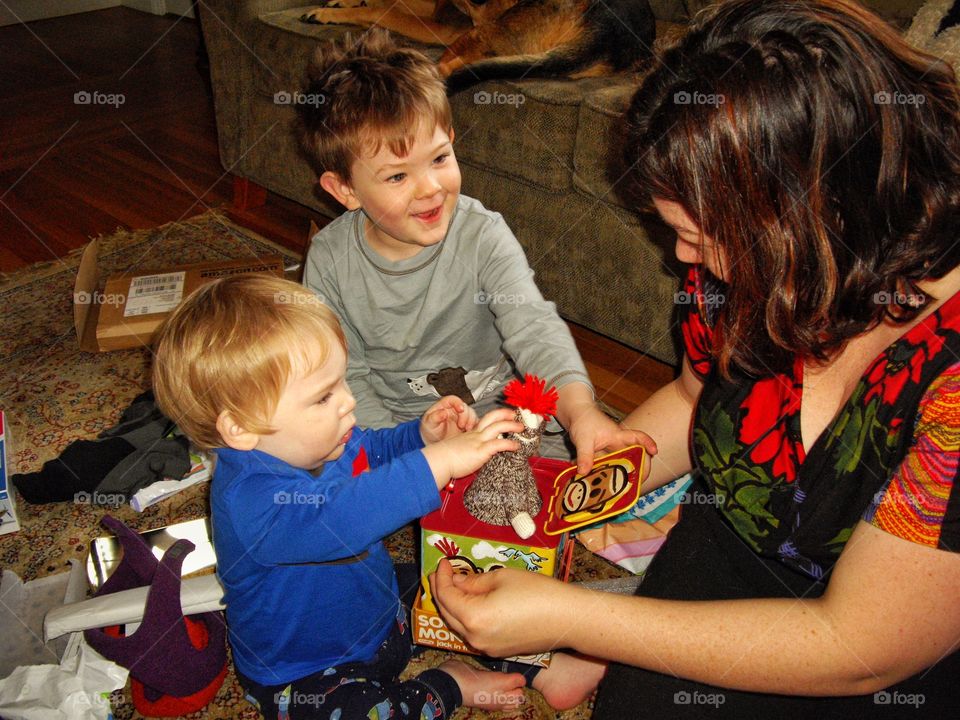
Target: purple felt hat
179, 661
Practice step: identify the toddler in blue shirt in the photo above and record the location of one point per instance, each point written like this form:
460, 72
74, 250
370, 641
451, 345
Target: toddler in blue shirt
253, 367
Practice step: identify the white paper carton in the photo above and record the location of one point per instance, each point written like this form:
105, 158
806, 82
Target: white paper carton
8, 503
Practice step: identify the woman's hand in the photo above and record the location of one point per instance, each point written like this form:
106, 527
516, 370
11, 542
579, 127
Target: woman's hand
447, 417
505, 612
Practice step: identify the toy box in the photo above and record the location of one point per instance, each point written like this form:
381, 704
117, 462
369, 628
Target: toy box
472, 546
8, 502
128, 309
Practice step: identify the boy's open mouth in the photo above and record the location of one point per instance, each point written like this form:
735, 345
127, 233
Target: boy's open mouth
430, 215
346, 438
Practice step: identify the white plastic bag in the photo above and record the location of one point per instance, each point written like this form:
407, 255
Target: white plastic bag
76, 689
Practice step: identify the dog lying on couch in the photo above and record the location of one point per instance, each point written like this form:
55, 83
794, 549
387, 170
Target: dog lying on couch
511, 39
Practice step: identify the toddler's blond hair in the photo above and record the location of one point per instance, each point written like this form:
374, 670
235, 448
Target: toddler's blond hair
233, 345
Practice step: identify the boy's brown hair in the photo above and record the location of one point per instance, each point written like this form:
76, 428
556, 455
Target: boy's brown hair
367, 92
233, 345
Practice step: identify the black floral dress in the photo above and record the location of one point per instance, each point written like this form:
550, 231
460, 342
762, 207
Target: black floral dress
767, 519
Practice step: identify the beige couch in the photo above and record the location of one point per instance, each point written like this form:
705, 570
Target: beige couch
542, 152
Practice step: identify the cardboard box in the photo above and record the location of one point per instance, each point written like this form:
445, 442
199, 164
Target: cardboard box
128, 309
8, 501
475, 546
106, 550
570, 501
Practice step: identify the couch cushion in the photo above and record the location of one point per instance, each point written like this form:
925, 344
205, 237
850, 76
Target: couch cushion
598, 165
283, 47
524, 130
606, 268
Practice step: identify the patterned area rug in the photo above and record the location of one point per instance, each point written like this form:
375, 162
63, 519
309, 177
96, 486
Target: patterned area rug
52, 394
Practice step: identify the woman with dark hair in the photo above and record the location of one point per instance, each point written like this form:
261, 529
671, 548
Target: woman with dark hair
809, 161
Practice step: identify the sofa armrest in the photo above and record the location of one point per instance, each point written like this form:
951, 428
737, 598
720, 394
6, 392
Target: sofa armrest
229, 29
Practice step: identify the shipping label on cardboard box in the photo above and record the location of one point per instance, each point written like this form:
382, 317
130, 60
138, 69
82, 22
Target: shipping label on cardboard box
151, 294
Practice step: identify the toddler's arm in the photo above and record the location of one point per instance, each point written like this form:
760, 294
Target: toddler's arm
463, 454
447, 417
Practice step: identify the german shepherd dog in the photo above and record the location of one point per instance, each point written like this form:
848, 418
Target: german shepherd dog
511, 39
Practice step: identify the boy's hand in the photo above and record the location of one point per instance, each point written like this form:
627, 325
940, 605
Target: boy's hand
460, 455
591, 430
447, 417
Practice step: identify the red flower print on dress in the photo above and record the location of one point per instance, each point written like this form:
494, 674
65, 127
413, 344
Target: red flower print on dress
697, 342
763, 430
698, 339
901, 363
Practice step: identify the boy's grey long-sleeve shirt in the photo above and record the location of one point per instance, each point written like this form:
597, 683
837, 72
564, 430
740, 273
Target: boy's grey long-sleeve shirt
449, 320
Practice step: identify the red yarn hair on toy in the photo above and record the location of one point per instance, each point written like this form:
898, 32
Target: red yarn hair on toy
447, 546
532, 395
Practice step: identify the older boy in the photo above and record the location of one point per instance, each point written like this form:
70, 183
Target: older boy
433, 290
254, 367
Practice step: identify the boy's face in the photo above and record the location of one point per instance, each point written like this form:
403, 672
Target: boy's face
409, 200
314, 417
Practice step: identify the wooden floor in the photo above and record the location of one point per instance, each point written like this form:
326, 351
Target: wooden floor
142, 151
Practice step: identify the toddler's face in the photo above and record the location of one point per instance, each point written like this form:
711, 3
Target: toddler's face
409, 200
314, 417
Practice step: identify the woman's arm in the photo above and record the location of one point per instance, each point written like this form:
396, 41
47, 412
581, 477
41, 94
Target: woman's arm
666, 417
889, 612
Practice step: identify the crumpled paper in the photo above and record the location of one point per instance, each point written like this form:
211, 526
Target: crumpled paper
631, 539
76, 689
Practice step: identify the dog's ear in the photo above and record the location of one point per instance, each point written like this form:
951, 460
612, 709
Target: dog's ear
340, 189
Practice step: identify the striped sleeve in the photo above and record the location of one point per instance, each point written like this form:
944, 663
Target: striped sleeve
921, 501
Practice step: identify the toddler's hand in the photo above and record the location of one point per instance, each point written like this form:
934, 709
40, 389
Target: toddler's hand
447, 417
462, 454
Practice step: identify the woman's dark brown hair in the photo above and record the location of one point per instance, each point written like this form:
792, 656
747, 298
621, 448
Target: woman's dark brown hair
821, 153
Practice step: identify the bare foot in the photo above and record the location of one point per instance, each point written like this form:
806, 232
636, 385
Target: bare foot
486, 689
569, 680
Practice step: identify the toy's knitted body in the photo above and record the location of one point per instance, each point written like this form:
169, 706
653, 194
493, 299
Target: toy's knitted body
504, 491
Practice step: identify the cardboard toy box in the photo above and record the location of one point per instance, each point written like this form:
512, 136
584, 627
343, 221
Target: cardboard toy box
569, 501
8, 502
128, 309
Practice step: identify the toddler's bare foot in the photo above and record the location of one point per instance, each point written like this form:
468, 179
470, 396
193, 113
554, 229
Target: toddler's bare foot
569, 680
486, 689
